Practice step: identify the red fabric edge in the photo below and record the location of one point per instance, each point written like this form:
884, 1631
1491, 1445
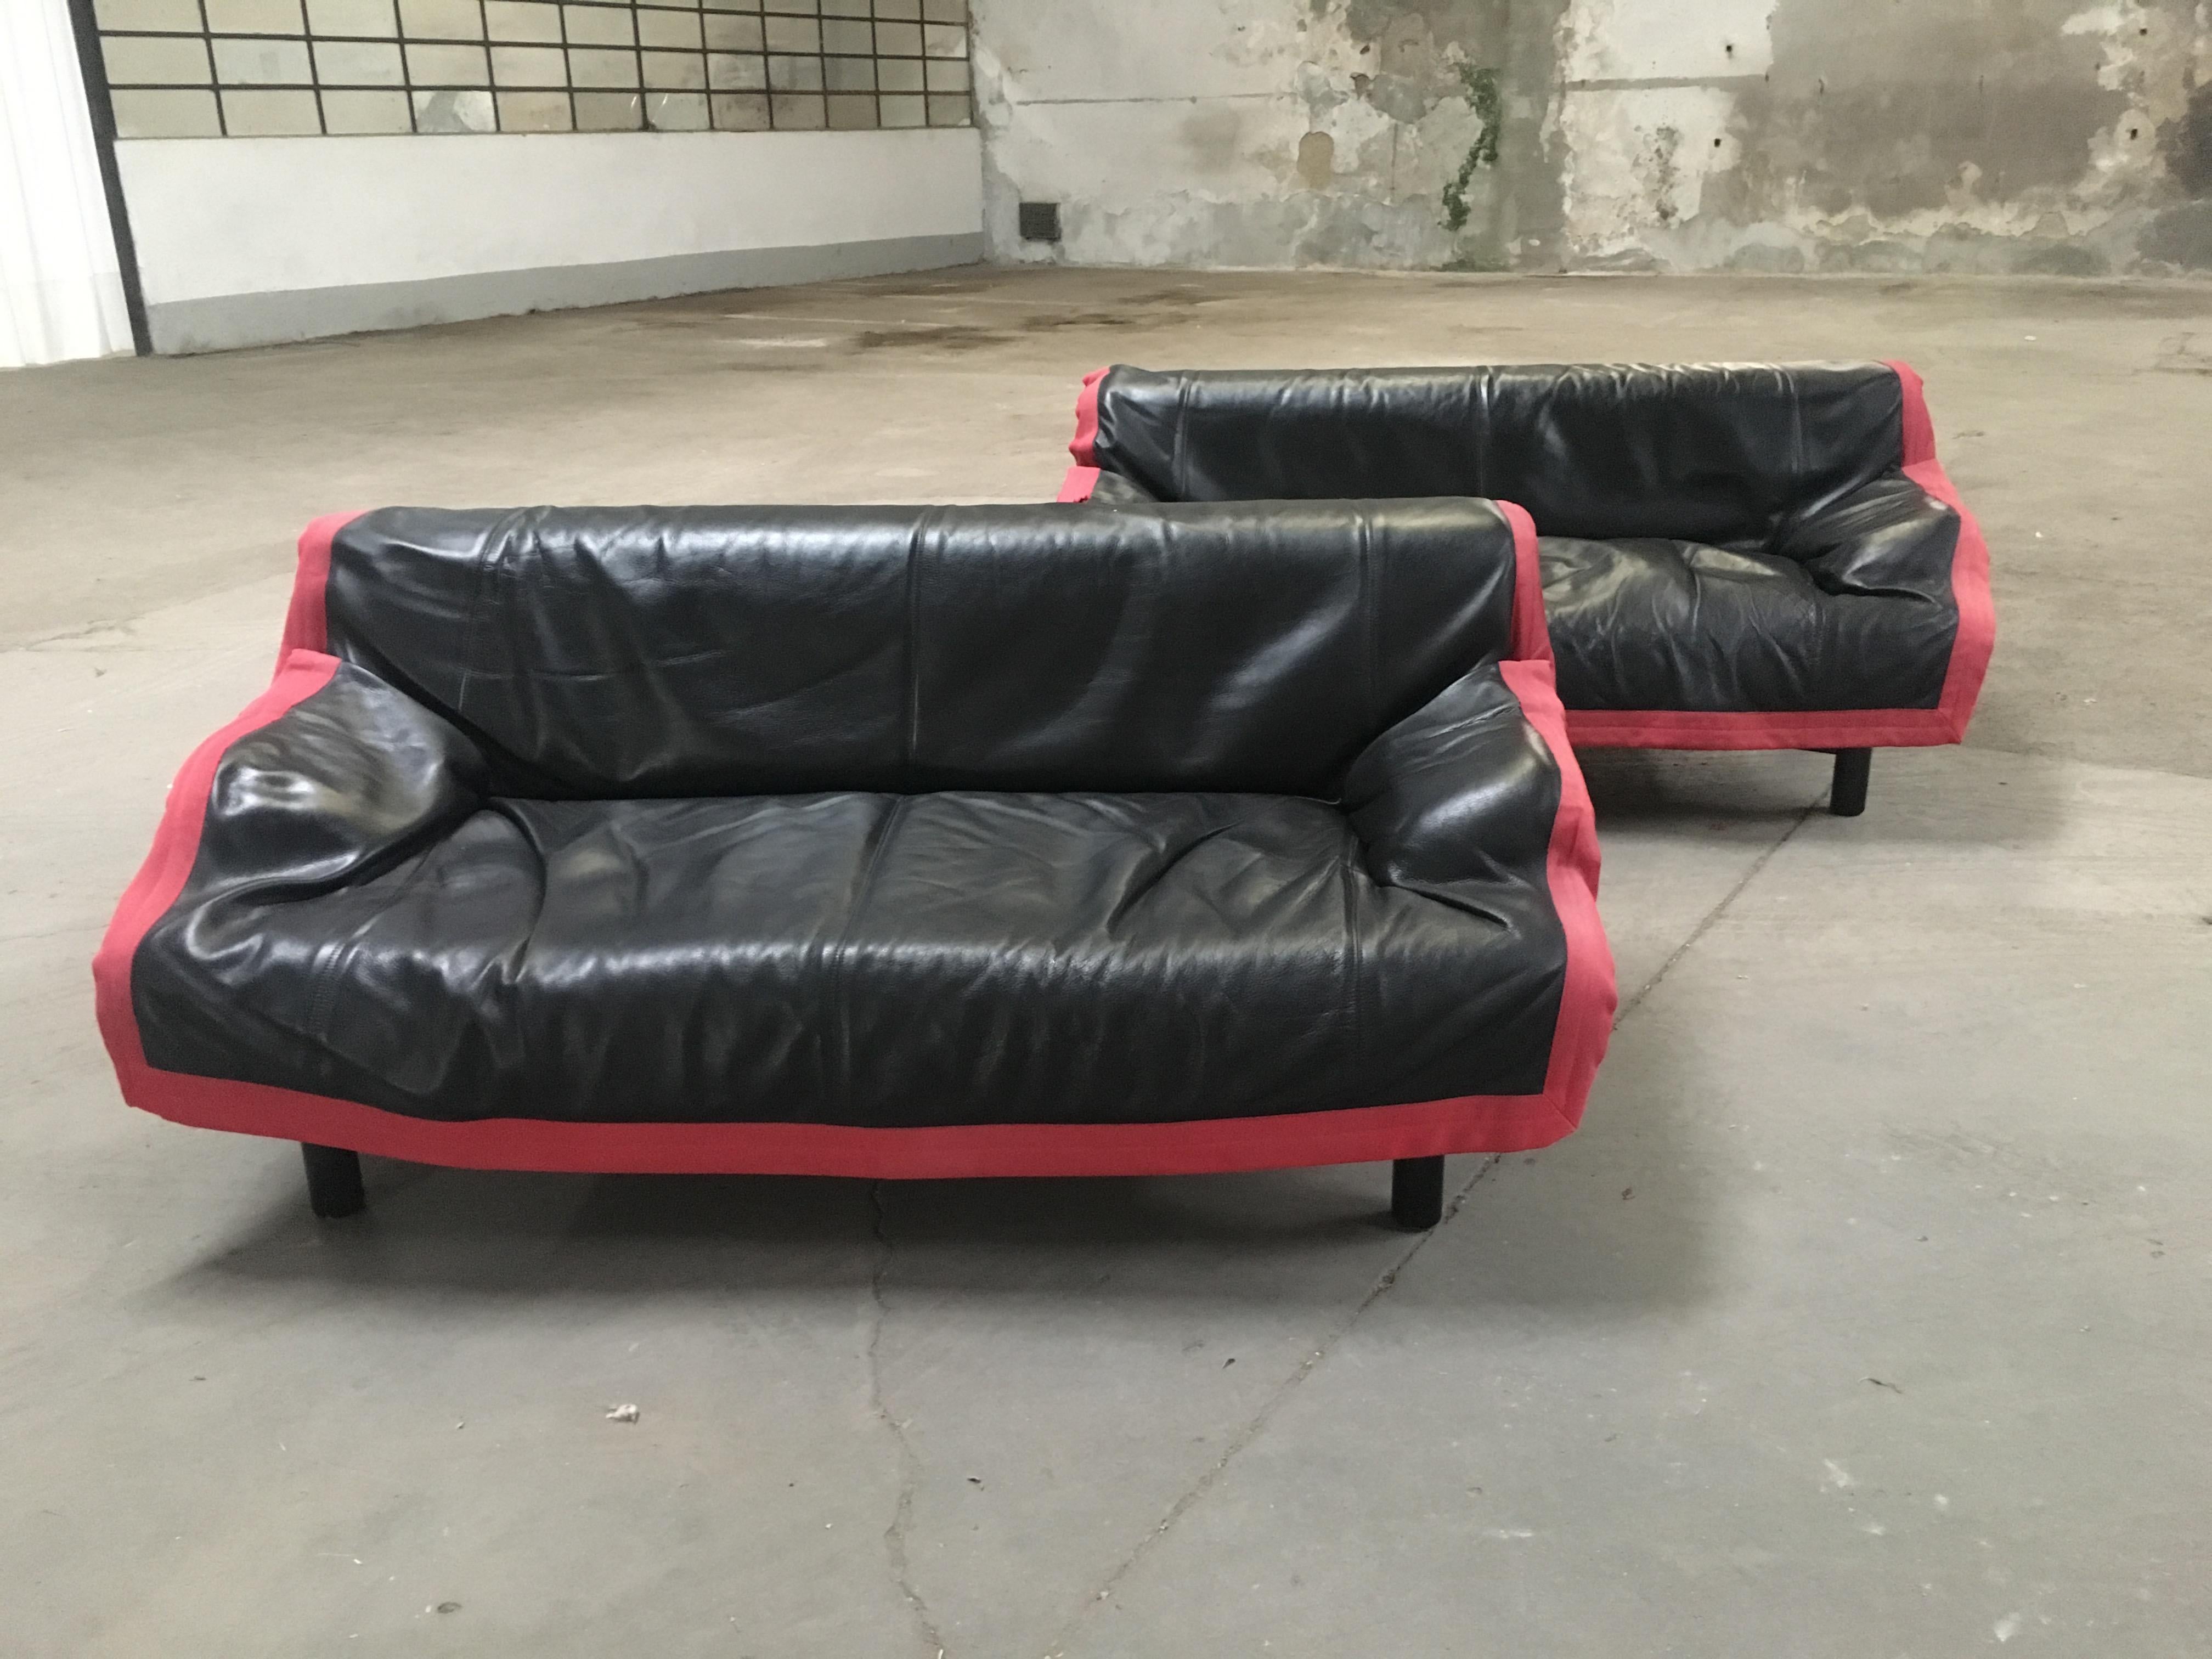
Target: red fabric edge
1970, 567
1084, 444
306, 624
1491, 1123
1846, 728
1838, 728
1590, 994
1532, 631
1082, 477
1477, 1123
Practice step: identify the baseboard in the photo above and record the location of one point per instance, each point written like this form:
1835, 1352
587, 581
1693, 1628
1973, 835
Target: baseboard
225, 322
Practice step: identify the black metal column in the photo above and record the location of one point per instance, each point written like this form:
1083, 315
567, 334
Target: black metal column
102, 108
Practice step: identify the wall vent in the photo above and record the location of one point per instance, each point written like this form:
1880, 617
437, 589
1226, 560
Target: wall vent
1040, 222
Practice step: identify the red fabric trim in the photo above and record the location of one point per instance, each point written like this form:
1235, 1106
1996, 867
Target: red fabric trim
307, 625
1590, 994
1846, 728
1835, 728
1494, 1123
1477, 1123
1084, 444
1970, 567
1532, 633
1082, 477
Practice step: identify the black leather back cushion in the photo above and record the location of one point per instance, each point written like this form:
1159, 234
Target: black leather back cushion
1717, 453
731, 651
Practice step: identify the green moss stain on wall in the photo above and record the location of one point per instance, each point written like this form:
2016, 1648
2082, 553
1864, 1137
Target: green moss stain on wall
1484, 98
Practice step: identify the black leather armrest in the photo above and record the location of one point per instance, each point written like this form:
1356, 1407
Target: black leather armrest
1888, 537
344, 785
337, 788
1462, 790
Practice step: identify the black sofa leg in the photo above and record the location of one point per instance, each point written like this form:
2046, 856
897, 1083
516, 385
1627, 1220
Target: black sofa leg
1416, 1193
333, 1181
1847, 794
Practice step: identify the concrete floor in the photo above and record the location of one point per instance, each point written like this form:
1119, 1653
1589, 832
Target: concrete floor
1870, 1314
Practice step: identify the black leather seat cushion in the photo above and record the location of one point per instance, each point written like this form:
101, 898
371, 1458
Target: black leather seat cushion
1647, 623
898, 960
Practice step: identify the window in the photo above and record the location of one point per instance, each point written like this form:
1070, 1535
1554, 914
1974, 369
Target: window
191, 69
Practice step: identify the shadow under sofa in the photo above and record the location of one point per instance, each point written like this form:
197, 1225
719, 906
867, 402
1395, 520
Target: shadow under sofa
1734, 555
886, 842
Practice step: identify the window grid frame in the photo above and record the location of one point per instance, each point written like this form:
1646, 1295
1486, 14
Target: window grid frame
773, 98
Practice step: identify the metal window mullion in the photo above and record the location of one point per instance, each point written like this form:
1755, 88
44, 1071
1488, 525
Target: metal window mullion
314, 71
406, 69
491, 80
100, 107
568, 68
215, 75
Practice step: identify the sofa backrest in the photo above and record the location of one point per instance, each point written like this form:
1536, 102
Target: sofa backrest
1721, 454
705, 651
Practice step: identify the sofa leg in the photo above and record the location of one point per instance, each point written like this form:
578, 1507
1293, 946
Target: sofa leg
333, 1181
1416, 1193
1847, 794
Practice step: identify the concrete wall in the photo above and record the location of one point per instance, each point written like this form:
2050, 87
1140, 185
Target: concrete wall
246, 241
2050, 136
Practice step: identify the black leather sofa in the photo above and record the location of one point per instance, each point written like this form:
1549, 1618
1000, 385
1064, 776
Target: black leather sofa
883, 841
1734, 555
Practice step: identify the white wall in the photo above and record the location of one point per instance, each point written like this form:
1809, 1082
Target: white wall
61, 290
248, 241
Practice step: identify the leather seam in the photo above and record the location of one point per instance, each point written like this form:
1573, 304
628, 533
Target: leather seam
911, 738
841, 954
1370, 623
1904, 454
487, 569
1353, 964
1798, 482
1486, 385
1179, 458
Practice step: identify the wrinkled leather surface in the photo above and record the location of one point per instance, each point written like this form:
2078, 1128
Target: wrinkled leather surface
755, 650
1118, 489
377, 913
1716, 538
1721, 454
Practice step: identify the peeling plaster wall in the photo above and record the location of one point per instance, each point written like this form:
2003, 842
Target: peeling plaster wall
1674, 134
1947, 135
1264, 132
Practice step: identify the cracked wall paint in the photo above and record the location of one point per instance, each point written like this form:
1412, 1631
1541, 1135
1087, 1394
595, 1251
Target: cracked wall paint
1780, 135
1638, 40
1260, 132
1965, 135
1641, 160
